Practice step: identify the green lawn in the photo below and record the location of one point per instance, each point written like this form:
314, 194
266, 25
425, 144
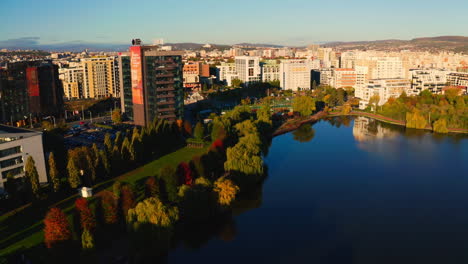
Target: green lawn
24, 228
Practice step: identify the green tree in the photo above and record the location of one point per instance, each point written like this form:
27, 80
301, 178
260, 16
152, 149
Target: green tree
440, 126
74, 178
32, 175
54, 173
117, 116
236, 83
199, 131
374, 101
108, 143
304, 133
87, 240
305, 105
244, 157
414, 119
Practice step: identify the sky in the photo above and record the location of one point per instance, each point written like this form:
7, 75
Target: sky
285, 22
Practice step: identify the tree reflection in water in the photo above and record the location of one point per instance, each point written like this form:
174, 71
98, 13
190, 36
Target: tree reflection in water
304, 133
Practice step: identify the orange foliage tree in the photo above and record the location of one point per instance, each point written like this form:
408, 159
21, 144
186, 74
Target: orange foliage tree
56, 228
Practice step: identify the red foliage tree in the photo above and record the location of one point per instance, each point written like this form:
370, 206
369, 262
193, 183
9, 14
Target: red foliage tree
185, 173
109, 208
127, 199
217, 145
151, 187
57, 228
87, 218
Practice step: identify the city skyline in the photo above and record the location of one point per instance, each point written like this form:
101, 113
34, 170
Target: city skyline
294, 23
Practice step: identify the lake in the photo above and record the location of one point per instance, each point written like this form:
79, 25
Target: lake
349, 191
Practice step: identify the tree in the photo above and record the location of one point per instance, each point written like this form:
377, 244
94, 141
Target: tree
117, 116
32, 176
305, 105
304, 133
346, 109
244, 157
108, 143
236, 83
74, 178
109, 207
87, 217
440, 126
226, 190
169, 179
125, 152
56, 228
188, 128
151, 187
199, 131
152, 211
127, 199
105, 162
185, 173
374, 101
53, 173
87, 240
414, 119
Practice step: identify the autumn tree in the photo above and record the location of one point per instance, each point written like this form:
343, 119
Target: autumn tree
188, 128
56, 228
414, 119
245, 157
226, 190
54, 173
236, 83
87, 240
32, 176
151, 187
74, 178
440, 126
185, 173
87, 217
127, 199
109, 208
108, 143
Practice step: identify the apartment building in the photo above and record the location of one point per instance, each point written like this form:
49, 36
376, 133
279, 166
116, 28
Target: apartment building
226, 72
344, 78
384, 88
16, 145
30, 88
270, 71
156, 83
296, 74
323, 76
430, 79
193, 72
457, 79
99, 77
72, 81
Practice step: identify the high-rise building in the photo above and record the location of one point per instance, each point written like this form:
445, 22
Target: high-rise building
248, 69
16, 145
156, 84
432, 80
125, 81
30, 89
99, 77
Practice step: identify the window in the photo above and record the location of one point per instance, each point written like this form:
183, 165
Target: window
14, 171
11, 162
251, 72
10, 151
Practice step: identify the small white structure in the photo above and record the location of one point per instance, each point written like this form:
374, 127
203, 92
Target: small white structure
86, 192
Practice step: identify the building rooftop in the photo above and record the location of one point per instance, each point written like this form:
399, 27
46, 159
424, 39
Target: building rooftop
8, 133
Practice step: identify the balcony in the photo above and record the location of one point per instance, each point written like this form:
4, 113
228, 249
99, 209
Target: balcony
170, 109
165, 95
166, 102
165, 89
164, 82
160, 75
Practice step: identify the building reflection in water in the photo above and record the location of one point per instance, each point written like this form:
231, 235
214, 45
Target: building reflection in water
370, 134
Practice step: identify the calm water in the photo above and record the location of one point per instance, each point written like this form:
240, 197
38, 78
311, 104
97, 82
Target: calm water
350, 192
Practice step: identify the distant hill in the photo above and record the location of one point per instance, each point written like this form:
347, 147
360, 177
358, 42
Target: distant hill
259, 45
446, 43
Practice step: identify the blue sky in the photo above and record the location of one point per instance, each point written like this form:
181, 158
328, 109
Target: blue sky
291, 22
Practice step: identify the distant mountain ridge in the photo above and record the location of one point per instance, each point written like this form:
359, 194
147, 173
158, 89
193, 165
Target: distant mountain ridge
445, 43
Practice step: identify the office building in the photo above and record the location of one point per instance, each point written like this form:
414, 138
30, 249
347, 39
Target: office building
16, 145
226, 72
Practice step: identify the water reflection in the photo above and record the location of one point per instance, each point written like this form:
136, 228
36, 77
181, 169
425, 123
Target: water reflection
304, 133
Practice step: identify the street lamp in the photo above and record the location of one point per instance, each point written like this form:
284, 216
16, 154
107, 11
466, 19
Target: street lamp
90, 116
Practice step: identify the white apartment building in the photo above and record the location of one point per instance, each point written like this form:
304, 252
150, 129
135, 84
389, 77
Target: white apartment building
457, 79
16, 145
226, 72
296, 74
270, 71
72, 80
362, 73
384, 88
248, 69
383, 67
431, 79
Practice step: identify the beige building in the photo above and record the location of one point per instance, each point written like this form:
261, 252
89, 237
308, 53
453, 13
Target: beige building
72, 80
99, 77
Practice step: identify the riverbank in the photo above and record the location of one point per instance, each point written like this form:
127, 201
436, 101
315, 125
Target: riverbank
391, 121
295, 123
